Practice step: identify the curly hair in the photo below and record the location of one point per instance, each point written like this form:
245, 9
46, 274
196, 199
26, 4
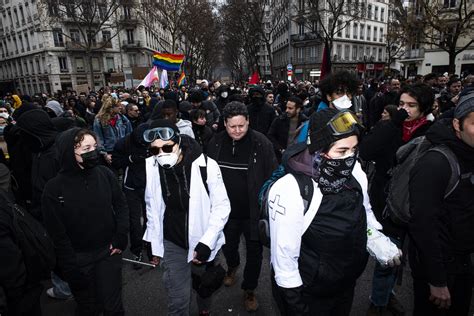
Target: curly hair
106, 110
235, 108
339, 81
81, 134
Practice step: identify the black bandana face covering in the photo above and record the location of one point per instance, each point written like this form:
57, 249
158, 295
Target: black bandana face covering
334, 173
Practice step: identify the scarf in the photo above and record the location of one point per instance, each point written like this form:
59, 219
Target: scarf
409, 127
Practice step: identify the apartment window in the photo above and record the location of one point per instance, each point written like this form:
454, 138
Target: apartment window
382, 14
300, 53
354, 31
130, 36
449, 4
79, 64
369, 11
91, 37
362, 31
376, 13
301, 28
27, 41
347, 52
106, 36
312, 52
75, 36
348, 31
95, 64
126, 11
380, 54
367, 51
102, 12
38, 67
132, 60
369, 32
32, 67
62, 64
375, 34
381, 35
374, 53
338, 52
354, 52
58, 38
110, 63
301, 5
339, 28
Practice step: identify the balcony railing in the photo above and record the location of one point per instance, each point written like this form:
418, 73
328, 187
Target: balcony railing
305, 37
414, 54
131, 44
81, 46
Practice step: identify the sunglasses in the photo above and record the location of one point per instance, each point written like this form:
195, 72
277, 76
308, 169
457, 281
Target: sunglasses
155, 150
344, 122
163, 133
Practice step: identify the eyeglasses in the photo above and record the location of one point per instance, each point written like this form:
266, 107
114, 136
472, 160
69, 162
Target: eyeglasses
343, 123
155, 150
163, 133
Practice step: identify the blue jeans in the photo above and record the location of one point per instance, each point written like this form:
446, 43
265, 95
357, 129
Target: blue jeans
60, 287
383, 281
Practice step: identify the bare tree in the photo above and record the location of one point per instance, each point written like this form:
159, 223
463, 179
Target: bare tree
395, 38
168, 13
89, 19
326, 18
447, 25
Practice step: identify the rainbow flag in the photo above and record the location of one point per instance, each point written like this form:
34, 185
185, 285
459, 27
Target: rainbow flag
182, 79
169, 62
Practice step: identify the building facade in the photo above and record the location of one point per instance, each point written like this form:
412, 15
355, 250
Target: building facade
41, 52
359, 46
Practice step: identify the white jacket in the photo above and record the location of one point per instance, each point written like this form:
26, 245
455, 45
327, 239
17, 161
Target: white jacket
288, 223
208, 214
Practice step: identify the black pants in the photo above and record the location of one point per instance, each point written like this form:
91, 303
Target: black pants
460, 289
24, 301
104, 291
137, 209
338, 304
232, 231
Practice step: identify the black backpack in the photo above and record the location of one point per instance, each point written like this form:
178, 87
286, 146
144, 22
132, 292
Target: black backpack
33, 240
305, 185
398, 207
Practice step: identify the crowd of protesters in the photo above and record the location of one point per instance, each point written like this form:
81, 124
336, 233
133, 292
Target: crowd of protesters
175, 175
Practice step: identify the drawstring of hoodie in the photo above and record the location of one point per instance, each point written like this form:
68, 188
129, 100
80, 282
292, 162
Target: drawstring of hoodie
163, 175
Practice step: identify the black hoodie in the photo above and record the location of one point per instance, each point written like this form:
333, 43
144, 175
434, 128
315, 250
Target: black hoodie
441, 228
84, 210
39, 132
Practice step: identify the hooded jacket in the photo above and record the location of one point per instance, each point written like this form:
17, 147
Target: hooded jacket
207, 213
185, 127
55, 107
278, 132
441, 228
261, 116
84, 210
40, 134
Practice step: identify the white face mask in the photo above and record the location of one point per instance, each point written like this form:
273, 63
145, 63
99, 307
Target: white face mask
224, 94
342, 103
168, 160
5, 115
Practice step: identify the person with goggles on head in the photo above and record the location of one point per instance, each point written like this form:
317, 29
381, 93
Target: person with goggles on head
318, 254
187, 208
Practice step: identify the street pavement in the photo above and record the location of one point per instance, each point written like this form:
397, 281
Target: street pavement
144, 294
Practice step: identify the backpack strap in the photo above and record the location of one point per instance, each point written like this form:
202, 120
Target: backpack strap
311, 198
203, 170
453, 163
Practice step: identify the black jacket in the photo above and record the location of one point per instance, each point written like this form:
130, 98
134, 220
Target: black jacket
278, 132
261, 117
262, 163
441, 228
129, 154
40, 133
202, 134
84, 210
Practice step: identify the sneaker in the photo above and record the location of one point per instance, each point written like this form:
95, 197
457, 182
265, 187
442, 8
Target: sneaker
137, 266
52, 294
250, 301
395, 306
230, 277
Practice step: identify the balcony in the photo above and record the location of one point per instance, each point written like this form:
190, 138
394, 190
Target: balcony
129, 19
414, 54
79, 46
295, 38
131, 44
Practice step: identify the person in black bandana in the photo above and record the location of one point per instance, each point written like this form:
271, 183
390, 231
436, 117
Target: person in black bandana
86, 215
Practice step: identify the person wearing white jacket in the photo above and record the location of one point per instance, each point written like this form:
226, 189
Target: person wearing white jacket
317, 255
186, 212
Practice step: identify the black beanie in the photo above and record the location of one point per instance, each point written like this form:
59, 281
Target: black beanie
320, 134
164, 123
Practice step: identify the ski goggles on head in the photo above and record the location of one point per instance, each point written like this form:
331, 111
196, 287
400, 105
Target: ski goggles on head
163, 133
344, 122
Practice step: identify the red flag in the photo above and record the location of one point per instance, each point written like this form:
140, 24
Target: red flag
326, 63
255, 79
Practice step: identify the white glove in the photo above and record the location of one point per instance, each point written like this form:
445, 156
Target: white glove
382, 248
372, 221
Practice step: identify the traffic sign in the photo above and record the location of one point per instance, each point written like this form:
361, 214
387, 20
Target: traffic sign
289, 67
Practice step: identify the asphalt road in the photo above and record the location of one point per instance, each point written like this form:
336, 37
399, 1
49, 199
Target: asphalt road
143, 294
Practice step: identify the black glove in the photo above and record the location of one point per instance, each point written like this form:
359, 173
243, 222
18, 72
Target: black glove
294, 301
399, 117
203, 252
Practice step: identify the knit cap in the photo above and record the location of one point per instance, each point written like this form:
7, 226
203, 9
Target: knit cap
465, 103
